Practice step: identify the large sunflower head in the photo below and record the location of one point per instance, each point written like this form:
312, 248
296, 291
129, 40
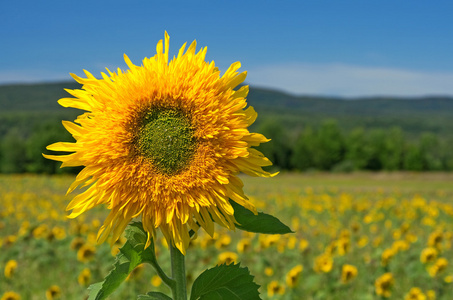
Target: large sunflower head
163, 141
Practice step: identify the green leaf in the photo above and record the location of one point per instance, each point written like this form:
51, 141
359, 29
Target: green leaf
94, 289
154, 296
132, 254
225, 282
261, 223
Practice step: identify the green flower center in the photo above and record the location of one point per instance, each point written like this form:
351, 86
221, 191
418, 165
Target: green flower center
167, 138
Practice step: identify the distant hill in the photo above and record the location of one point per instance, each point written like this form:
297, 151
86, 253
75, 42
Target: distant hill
25, 105
413, 115
34, 97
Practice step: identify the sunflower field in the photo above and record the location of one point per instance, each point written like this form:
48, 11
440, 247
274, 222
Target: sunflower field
356, 236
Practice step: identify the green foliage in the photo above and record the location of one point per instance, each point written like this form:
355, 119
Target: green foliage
21, 151
36, 144
392, 149
329, 146
220, 282
278, 150
413, 159
375, 140
225, 282
260, 223
431, 151
375, 150
132, 254
358, 151
154, 296
304, 147
13, 153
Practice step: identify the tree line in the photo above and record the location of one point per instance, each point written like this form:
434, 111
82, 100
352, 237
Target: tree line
325, 148
22, 153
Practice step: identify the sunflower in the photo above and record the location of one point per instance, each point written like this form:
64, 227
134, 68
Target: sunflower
431, 294
292, 277
383, 285
269, 271
41, 231
275, 288
10, 268
59, 232
439, 266
348, 273
448, 279
363, 241
84, 277
400, 245
86, 253
428, 255
323, 263
77, 242
10, 295
9, 240
303, 245
223, 241
343, 246
163, 141
415, 294
435, 239
387, 255
54, 292
244, 245
227, 258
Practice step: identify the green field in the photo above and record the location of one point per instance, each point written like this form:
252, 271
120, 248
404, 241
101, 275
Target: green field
375, 222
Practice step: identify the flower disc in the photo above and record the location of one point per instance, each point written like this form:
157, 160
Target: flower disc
165, 142
166, 138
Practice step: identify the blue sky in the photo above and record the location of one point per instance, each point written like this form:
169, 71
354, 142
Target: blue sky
340, 48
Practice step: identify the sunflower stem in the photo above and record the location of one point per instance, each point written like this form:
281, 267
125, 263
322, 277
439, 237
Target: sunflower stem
167, 280
178, 273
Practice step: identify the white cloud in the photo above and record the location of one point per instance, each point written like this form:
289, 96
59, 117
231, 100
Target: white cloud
350, 81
